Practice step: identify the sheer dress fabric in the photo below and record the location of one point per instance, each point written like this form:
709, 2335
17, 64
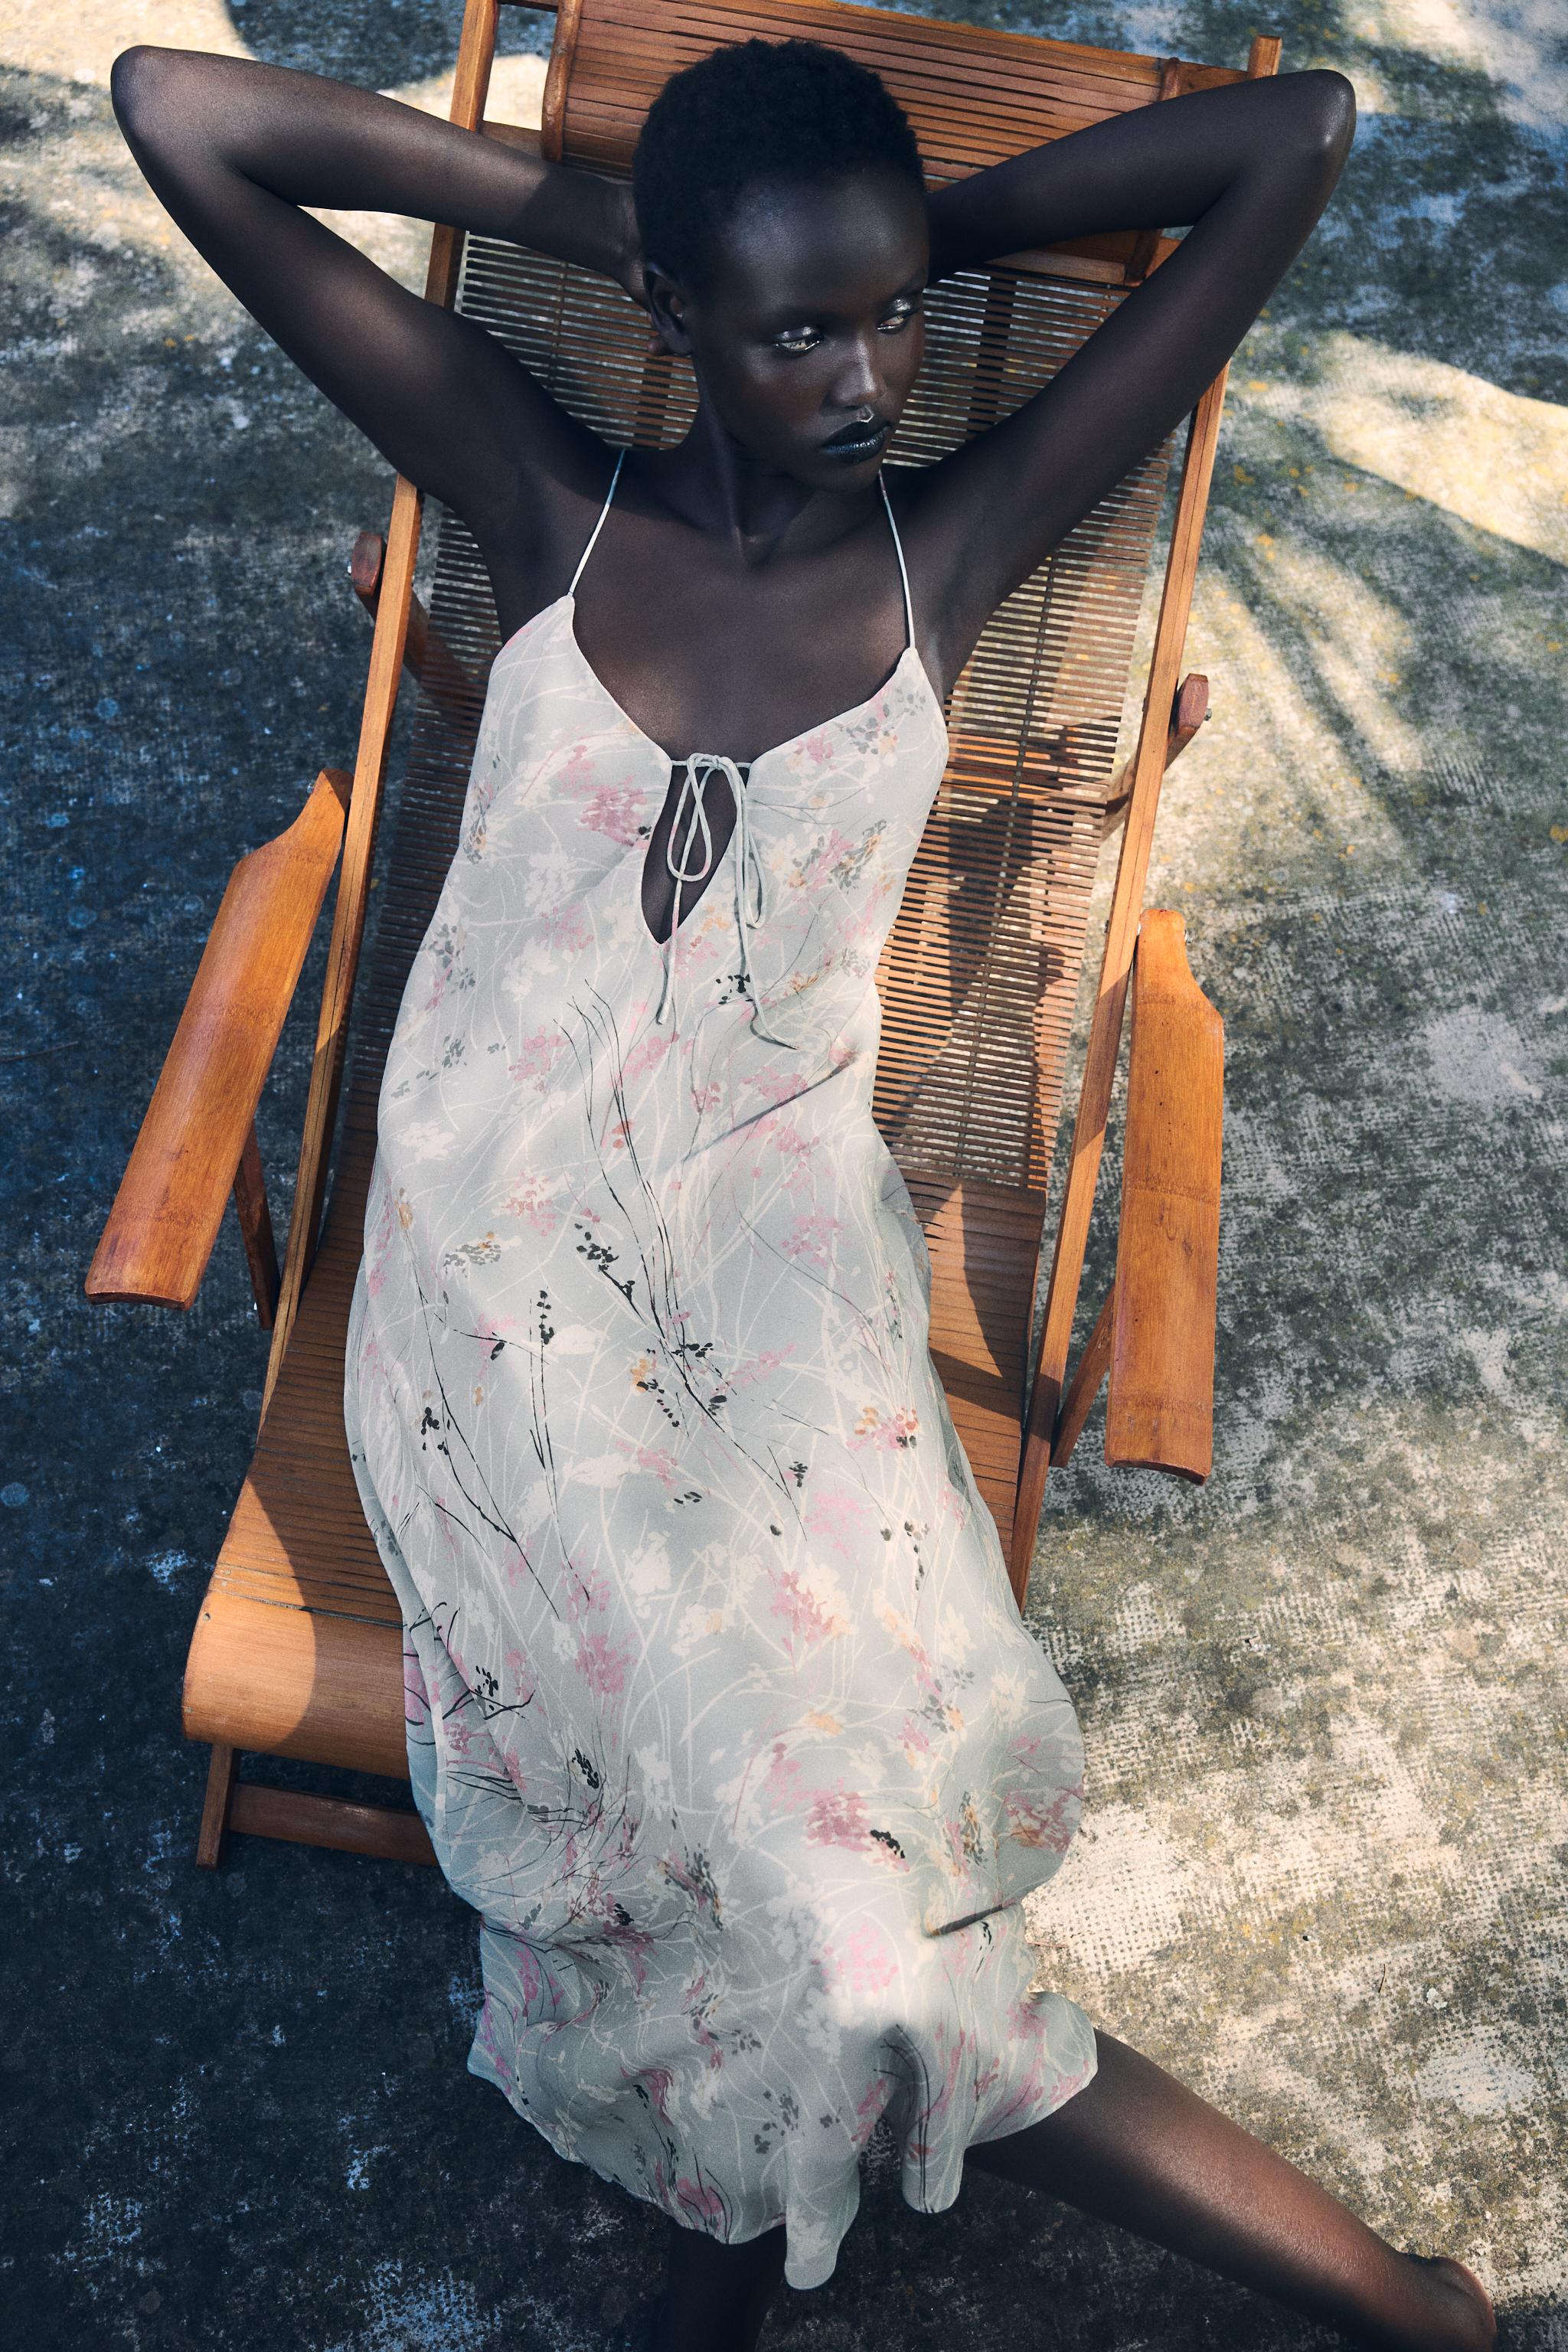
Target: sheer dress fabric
720, 1710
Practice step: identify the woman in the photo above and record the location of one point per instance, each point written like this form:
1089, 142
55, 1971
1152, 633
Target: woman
721, 1712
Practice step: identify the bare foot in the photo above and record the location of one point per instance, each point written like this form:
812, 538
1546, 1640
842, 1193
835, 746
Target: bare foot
1464, 2303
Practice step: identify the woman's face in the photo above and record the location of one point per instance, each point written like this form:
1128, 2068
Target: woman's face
810, 316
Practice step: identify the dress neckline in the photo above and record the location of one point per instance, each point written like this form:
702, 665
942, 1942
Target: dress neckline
566, 605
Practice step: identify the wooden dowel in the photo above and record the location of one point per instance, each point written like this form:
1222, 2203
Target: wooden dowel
427, 656
1188, 712
304, 1819
216, 1806
256, 1229
1084, 1385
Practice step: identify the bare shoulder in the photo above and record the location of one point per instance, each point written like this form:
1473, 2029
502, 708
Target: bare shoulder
531, 519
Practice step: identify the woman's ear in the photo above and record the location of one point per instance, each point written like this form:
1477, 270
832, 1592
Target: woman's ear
667, 305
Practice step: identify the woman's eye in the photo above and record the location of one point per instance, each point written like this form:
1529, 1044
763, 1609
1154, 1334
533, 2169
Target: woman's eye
900, 319
798, 339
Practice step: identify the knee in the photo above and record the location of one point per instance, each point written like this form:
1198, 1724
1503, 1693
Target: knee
1322, 106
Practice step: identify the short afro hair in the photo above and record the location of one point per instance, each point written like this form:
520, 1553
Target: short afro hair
756, 112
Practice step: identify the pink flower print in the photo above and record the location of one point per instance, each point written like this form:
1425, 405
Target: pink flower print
802, 1612
784, 1784
699, 2197
589, 1592
657, 2081
379, 1248
869, 2108
794, 1150
886, 1431
536, 1058
566, 926
662, 1464
646, 1056
620, 1136
838, 1817
840, 1521
530, 1201
614, 811
812, 1238
915, 1737
697, 2001
1038, 1820
707, 1097
818, 748
602, 1666
867, 1963
776, 1086
825, 853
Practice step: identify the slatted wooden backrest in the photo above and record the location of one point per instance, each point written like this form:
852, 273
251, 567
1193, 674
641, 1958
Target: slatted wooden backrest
981, 972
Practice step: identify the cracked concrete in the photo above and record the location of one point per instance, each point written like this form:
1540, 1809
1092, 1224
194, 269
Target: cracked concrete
1321, 1872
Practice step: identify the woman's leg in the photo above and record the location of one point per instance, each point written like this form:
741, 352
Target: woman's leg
1135, 2147
716, 2297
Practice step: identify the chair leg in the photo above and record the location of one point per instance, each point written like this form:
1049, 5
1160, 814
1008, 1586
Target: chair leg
213, 1835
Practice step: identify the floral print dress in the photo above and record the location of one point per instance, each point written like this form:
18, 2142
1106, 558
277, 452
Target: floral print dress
720, 1712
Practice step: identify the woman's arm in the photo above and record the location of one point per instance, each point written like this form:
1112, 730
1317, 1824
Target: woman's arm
1246, 169
234, 149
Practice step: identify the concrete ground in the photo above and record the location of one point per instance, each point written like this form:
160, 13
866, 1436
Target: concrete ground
1321, 1873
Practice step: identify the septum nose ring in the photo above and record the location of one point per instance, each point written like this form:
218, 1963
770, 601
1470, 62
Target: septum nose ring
864, 415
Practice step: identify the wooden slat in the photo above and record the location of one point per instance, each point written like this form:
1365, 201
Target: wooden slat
979, 1234
394, 1835
297, 1682
1085, 1384
1160, 1413
974, 94
160, 1232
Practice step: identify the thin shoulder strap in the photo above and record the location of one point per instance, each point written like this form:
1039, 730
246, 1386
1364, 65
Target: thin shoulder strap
903, 567
599, 526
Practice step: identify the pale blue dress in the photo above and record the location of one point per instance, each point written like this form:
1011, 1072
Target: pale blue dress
720, 1712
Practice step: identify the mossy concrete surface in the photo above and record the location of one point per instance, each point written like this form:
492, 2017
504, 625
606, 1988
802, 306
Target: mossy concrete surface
1322, 1870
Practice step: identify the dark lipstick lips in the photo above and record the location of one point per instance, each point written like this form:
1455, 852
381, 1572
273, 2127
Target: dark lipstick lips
857, 441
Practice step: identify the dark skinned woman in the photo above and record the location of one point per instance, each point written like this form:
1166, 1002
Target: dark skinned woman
721, 1712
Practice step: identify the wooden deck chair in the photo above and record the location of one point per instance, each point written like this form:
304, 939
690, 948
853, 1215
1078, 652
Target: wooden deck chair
297, 1651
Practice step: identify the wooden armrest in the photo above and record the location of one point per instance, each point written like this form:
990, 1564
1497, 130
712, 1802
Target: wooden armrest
1160, 1410
166, 1213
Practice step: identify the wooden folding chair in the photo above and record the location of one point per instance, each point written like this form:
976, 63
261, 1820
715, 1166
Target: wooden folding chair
297, 1651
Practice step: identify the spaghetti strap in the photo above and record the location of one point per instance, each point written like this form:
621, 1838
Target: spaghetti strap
599, 527
898, 552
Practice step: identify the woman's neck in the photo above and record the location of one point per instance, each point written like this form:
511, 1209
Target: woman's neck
758, 511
